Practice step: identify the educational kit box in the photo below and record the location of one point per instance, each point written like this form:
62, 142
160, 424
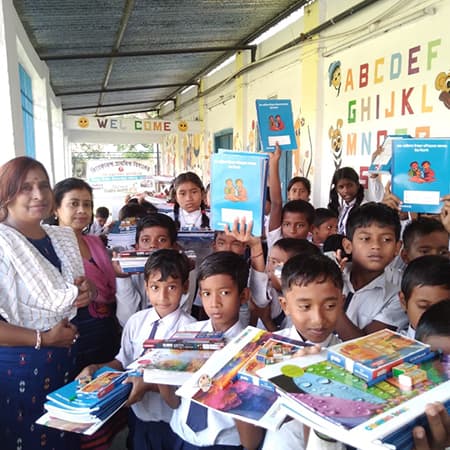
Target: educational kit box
333, 401
420, 173
227, 382
132, 261
372, 357
189, 340
238, 189
275, 124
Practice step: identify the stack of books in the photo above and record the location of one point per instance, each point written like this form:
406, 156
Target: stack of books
84, 408
132, 261
122, 235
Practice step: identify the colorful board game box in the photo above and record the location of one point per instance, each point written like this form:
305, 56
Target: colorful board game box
373, 356
420, 173
189, 340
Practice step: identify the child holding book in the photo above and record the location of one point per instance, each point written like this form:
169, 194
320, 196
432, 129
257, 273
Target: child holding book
166, 279
295, 218
154, 231
426, 281
372, 303
222, 279
189, 211
312, 298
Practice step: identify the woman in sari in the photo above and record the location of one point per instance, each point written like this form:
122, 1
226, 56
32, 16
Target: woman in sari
42, 285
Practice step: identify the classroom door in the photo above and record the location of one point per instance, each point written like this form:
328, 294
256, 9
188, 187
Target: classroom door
223, 139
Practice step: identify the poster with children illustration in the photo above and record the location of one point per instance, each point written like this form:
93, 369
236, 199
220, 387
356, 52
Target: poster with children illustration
276, 124
420, 175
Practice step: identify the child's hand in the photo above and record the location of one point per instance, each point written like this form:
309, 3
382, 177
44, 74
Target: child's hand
341, 260
390, 199
276, 154
86, 374
439, 422
138, 390
242, 232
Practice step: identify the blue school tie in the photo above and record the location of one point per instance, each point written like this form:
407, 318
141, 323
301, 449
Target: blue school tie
153, 331
343, 220
197, 419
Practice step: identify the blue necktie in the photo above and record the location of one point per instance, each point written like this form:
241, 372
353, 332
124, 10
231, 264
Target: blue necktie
154, 328
197, 419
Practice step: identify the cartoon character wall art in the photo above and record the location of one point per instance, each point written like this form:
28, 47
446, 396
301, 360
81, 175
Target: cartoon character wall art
335, 136
442, 84
334, 76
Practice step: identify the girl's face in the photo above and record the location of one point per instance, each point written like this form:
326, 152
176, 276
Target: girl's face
189, 196
75, 210
298, 191
347, 189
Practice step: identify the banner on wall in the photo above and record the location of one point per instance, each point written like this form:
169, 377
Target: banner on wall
119, 175
398, 83
130, 125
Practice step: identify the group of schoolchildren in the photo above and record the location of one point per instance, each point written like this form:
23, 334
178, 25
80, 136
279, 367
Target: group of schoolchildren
372, 282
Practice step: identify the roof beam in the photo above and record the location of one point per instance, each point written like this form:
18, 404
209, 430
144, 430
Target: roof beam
72, 108
170, 51
124, 89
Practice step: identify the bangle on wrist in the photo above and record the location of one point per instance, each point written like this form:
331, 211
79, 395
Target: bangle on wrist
257, 256
38, 340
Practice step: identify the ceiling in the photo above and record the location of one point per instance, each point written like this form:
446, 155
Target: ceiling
123, 56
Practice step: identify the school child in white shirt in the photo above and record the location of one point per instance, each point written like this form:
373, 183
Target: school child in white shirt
312, 298
189, 211
154, 231
371, 303
426, 281
166, 279
295, 218
222, 279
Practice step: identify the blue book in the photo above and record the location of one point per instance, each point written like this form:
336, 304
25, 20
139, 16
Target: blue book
275, 124
238, 188
420, 173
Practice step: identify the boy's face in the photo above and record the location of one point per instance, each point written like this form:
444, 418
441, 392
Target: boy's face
324, 230
221, 300
314, 309
153, 238
277, 257
422, 298
372, 247
435, 243
164, 295
100, 220
294, 225
228, 243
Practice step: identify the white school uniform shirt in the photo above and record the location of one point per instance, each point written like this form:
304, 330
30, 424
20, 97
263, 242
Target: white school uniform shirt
189, 220
221, 429
263, 293
290, 435
378, 300
131, 297
152, 407
409, 332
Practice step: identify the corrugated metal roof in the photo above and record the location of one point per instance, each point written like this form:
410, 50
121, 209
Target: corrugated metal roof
94, 46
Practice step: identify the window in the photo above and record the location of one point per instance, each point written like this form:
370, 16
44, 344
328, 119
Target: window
26, 95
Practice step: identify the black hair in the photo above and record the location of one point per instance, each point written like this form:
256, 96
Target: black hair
170, 263
137, 210
299, 206
302, 180
225, 263
419, 228
300, 270
428, 270
321, 215
434, 321
340, 174
373, 213
188, 177
102, 211
157, 220
294, 247
333, 243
